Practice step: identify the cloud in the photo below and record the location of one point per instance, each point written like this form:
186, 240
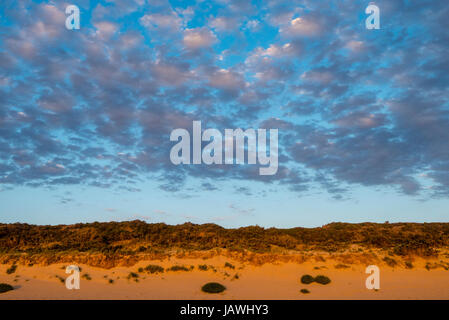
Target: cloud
304, 26
170, 22
198, 38
354, 108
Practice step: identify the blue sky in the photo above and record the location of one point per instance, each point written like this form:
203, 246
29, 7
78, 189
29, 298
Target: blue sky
86, 115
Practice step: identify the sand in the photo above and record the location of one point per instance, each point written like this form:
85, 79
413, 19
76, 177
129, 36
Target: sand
268, 281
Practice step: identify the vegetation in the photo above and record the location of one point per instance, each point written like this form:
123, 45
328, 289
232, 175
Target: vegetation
115, 240
322, 279
11, 269
307, 279
203, 267
390, 261
152, 268
4, 287
341, 266
86, 276
213, 287
179, 268
305, 291
228, 265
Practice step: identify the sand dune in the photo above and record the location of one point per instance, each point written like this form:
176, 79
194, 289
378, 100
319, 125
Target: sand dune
267, 281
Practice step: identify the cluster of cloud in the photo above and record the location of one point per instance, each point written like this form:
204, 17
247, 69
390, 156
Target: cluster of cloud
353, 106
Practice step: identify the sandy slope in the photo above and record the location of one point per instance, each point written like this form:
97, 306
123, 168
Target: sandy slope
268, 281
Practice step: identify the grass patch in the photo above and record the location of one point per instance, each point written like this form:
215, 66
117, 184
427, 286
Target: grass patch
307, 279
4, 287
213, 287
153, 268
11, 269
322, 279
305, 291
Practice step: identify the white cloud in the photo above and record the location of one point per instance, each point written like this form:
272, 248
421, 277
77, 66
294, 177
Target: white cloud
303, 26
198, 38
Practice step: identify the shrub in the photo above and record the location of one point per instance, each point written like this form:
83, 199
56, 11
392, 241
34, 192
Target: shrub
111, 281
390, 261
4, 287
203, 267
132, 275
307, 279
228, 265
178, 268
140, 270
341, 266
86, 276
11, 269
322, 279
213, 287
408, 265
305, 291
152, 268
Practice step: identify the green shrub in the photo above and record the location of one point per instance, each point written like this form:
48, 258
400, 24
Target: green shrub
228, 265
11, 269
140, 270
111, 281
4, 287
152, 268
408, 265
132, 275
305, 291
213, 287
322, 279
307, 279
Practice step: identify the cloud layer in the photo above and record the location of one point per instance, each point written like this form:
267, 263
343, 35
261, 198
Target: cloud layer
353, 106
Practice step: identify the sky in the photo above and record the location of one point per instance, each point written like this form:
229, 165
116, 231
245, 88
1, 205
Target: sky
86, 115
